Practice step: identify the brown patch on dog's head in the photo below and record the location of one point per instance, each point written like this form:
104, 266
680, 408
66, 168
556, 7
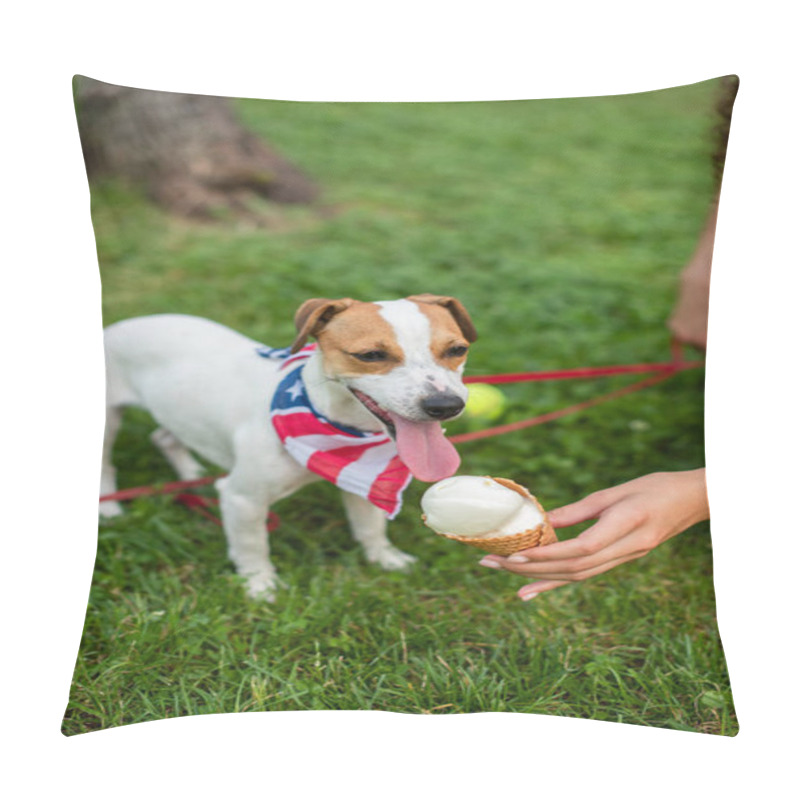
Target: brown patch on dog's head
349, 333
314, 315
356, 339
450, 327
456, 309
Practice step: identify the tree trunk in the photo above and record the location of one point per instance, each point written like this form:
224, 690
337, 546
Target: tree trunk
188, 151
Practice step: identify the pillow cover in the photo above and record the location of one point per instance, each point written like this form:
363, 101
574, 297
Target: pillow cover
574, 234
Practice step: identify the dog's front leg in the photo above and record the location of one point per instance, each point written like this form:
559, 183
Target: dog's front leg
368, 525
244, 508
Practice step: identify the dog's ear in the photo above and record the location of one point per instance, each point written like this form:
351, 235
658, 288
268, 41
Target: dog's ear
314, 315
455, 307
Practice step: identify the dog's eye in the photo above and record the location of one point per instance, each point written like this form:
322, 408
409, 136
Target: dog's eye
371, 355
456, 352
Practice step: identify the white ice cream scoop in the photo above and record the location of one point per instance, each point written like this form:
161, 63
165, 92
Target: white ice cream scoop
473, 509
469, 505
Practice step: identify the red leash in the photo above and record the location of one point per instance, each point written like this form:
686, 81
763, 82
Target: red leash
675, 364
194, 501
668, 367
200, 504
664, 371
562, 412
163, 488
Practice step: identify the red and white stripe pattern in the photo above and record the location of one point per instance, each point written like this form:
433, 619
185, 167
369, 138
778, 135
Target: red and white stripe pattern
364, 463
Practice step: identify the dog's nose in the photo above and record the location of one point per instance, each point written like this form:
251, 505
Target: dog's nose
442, 406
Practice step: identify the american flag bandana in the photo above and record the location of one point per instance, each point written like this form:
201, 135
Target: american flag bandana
356, 461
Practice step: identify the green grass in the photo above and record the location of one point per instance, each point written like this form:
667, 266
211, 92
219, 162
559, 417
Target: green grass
563, 226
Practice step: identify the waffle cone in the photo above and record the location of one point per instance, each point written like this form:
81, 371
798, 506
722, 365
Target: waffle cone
514, 542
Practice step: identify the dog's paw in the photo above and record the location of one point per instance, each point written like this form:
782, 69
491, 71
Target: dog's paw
263, 587
110, 509
390, 558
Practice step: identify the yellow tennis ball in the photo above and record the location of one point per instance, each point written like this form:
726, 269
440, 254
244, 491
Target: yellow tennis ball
485, 402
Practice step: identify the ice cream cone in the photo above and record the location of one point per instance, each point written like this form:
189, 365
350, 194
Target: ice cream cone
514, 542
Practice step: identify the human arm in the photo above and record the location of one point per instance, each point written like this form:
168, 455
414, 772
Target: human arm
689, 320
632, 519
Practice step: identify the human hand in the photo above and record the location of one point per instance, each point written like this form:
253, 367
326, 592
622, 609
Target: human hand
632, 519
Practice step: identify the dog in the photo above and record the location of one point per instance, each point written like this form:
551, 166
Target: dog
382, 376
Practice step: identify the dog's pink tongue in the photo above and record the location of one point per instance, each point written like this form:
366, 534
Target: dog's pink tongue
423, 448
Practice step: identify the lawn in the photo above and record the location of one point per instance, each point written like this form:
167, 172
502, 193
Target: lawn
562, 225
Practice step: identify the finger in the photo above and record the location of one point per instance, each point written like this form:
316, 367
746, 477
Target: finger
588, 508
574, 575
611, 527
633, 545
593, 505
531, 590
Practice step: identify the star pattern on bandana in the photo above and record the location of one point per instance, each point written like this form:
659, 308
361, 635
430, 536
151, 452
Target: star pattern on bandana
295, 390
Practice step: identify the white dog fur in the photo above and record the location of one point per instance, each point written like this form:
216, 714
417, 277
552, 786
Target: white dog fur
210, 393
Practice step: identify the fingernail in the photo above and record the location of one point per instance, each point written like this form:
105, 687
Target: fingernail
489, 562
528, 596
518, 559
